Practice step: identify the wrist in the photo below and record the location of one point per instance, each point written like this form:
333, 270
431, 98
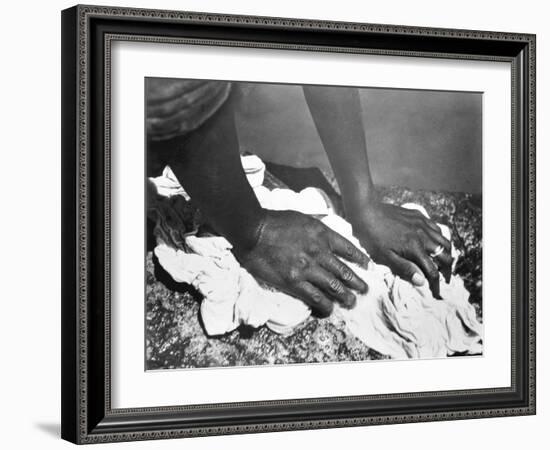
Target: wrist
360, 203
246, 232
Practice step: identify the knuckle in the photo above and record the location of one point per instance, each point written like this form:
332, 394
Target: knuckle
420, 240
316, 298
314, 249
414, 243
350, 250
336, 286
357, 254
314, 227
302, 263
294, 275
346, 274
421, 230
411, 236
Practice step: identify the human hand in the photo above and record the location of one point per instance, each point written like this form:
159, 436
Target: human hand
299, 255
174, 219
405, 241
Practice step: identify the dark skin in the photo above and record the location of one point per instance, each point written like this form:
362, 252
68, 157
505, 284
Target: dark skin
289, 250
400, 238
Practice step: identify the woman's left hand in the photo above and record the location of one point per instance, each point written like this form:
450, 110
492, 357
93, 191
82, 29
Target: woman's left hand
405, 241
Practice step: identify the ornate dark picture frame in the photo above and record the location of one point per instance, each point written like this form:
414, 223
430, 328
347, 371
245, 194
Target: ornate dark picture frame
87, 34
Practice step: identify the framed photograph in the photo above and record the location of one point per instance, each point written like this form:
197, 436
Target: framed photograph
283, 224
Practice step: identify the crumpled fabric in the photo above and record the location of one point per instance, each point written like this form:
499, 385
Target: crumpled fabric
404, 321
168, 185
231, 295
394, 317
312, 201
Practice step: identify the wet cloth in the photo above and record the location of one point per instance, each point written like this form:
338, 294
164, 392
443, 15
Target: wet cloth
175, 107
394, 317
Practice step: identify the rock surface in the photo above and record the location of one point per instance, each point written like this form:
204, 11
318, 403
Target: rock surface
175, 337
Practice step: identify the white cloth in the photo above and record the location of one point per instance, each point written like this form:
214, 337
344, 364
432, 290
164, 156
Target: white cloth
404, 321
310, 201
231, 295
168, 185
394, 317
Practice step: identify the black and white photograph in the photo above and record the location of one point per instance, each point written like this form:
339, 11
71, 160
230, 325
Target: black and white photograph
274, 223
291, 223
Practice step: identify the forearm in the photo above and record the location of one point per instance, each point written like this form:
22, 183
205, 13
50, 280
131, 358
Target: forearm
207, 164
336, 113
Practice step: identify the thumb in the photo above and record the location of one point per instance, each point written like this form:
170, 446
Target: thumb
406, 270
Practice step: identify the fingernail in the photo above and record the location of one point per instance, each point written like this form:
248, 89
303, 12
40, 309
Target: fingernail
351, 300
448, 277
418, 279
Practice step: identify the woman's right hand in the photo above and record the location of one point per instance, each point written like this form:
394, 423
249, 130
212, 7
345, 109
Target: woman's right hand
300, 255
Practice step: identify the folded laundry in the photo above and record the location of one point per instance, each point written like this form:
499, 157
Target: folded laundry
394, 317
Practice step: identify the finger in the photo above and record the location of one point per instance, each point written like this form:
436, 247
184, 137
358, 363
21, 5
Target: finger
425, 224
172, 217
344, 273
431, 225
438, 237
174, 226
406, 269
331, 286
178, 239
445, 264
344, 248
444, 260
314, 298
428, 267
421, 218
